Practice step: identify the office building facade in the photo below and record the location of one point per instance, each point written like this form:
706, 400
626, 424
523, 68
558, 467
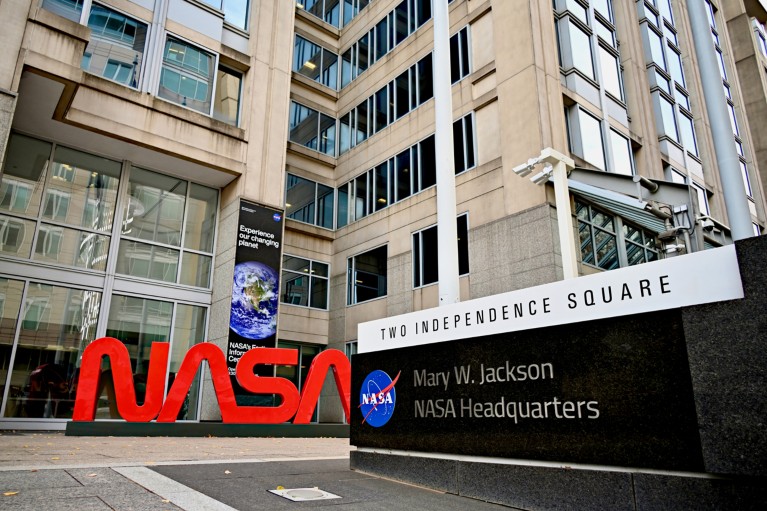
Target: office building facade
131, 130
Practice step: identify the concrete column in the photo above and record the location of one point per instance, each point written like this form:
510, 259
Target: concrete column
727, 159
7, 109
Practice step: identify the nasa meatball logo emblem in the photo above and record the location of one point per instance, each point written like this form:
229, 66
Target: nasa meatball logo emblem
378, 398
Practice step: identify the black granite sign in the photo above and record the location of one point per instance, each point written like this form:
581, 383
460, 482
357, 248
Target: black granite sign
614, 391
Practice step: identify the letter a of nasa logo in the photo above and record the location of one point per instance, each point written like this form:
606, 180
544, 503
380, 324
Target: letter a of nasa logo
377, 398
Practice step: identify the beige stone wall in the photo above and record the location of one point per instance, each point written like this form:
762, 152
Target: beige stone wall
265, 113
7, 108
752, 79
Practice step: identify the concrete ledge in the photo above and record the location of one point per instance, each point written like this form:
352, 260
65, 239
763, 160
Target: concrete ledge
203, 429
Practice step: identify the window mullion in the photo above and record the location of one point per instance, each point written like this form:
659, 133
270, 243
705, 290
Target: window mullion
620, 242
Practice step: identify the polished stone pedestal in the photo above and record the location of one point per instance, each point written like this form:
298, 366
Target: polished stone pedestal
681, 395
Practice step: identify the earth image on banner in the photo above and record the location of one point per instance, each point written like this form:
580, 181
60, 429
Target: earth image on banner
255, 296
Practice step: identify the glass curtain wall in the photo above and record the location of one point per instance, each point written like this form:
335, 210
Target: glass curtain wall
297, 374
60, 207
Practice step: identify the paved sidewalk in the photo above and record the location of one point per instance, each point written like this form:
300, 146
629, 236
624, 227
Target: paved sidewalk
52, 472
31, 450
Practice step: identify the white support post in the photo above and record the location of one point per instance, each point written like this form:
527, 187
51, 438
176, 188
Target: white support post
447, 229
562, 164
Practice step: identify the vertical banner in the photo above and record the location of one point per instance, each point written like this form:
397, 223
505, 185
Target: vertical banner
255, 290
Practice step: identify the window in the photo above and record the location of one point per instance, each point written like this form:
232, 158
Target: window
403, 175
49, 241
586, 137
350, 348
297, 373
579, 34
70, 9
687, 128
671, 99
640, 245
460, 65
366, 276
116, 48
312, 129
608, 242
330, 10
236, 12
394, 100
597, 233
56, 205
426, 253
394, 28
138, 322
56, 322
352, 8
13, 236
167, 229
304, 282
315, 62
309, 202
702, 196
75, 200
761, 38
187, 75
226, 107
621, 149
667, 117
610, 68
580, 51
463, 143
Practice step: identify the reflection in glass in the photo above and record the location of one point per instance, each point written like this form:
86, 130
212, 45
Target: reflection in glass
304, 282
56, 325
10, 305
201, 218
621, 150
580, 49
236, 13
70, 9
186, 77
300, 199
16, 236
297, 374
228, 89
327, 135
147, 261
116, 48
303, 125
591, 139
307, 58
71, 247
609, 66
23, 174
137, 322
196, 270
82, 190
188, 330
155, 208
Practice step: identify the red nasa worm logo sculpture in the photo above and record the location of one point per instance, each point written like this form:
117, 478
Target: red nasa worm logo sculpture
299, 407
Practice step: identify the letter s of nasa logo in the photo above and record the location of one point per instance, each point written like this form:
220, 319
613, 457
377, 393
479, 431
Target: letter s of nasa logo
377, 398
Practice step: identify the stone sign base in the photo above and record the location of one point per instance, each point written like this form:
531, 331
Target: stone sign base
573, 489
674, 411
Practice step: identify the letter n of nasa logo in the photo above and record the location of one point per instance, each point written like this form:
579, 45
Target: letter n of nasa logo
377, 398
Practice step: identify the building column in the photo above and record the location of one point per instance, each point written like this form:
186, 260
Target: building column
7, 109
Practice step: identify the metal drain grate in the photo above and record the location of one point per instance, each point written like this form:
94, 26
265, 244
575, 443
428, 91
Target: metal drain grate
304, 494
